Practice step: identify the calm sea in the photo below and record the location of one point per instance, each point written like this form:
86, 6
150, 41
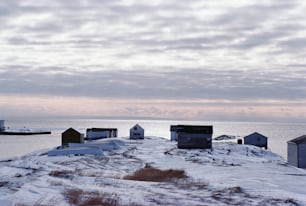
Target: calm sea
11, 146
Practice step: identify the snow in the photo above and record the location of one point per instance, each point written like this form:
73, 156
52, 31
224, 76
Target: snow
228, 174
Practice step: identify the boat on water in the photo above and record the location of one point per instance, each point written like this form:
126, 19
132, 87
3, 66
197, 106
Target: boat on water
23, 131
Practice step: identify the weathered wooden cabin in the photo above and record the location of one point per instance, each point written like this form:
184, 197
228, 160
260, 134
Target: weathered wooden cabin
137, 132
296, 152
192, 136
256, 139
100, 133
72, 136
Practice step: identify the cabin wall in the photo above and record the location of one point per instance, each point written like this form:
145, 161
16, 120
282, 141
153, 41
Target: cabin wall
302, 155
292, 154
72, 137
97, 134
256, 140
194, 141
173, 136
173, 131
136, 134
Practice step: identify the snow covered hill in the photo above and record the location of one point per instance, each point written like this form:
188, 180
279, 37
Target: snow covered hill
229, 174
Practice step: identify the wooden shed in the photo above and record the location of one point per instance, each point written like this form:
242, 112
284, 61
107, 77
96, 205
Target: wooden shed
256, 139
296, 152
72, 136
100, 133
137, 132
194, 136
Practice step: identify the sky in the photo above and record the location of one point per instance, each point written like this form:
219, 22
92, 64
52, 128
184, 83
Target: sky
187, 60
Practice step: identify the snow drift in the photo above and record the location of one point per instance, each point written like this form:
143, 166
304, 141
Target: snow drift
227, 174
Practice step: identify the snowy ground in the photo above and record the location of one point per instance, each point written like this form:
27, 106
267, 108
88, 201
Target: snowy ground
229, 174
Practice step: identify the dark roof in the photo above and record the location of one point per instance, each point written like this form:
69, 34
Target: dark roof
136, 126
299, 140
71, 130
100, 129
255, 134
192, 128
174, 128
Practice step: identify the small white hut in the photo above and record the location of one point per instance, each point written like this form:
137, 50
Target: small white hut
296, 152
137, 132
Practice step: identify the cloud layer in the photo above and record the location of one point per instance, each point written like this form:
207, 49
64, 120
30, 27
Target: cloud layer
179, 84
191, 50
139, 35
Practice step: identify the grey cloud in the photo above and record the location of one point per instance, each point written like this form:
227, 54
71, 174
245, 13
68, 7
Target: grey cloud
146, 33
14, 7
142, 28
258, 25
192, 83
253, 15
25, 41
260, 39
4, 12
297, 65
294, 43
17, 41
44, 27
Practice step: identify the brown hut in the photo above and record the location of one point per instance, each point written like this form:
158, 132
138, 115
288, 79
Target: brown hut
72, 136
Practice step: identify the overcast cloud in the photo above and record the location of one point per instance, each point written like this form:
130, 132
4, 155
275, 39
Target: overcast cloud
179, 50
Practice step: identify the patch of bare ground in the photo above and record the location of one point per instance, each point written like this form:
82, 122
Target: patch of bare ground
273, 201
39, 202
86, 198
66, 174
4, 183
190, 184
156, 175
229, 196
236, 196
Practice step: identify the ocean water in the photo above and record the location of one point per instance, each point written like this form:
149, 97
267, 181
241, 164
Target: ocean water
11, 146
